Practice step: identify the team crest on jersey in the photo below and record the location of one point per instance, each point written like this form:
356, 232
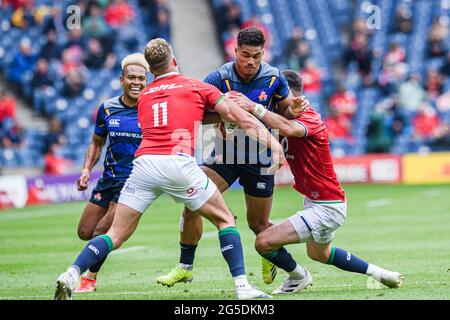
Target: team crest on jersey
98, 196
262, 96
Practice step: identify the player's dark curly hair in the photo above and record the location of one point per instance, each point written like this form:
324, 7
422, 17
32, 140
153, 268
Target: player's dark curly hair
251, 37
294, 80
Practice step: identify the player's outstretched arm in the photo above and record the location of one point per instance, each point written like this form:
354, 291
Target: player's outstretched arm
92, 156
287, 128
230, 111
211, 118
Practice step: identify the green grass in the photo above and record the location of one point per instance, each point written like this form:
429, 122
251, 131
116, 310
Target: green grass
401, 228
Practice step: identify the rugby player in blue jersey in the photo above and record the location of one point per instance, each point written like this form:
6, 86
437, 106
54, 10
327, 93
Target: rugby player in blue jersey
266, 85
117, 120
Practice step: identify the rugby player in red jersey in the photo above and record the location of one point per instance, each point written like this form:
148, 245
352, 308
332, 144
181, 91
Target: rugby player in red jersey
169, 110
307, 151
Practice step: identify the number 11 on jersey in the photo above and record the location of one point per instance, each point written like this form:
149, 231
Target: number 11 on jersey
156, 107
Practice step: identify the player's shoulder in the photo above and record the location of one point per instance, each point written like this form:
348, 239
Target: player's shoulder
112, 103
268, 70
311, 118
226, 71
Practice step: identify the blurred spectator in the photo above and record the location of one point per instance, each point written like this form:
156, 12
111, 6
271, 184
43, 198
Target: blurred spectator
41, 84
22, 62
55, 135
343, 101
75, 39
377, 135
434, 84
302, 53
445, 69
94, 24
359, 52
443, 102
50, 50
339, 127
442, 139
293, 42
7, 106
396, 121
425, 122
411, 93
228, 15
94, 57
14, 137
71, 60
359, 26
16, 4
394, 69
73, 84
311, 76
23, 16
163, 28
118, 13
230, 43
403, 20
436, 37
54, 164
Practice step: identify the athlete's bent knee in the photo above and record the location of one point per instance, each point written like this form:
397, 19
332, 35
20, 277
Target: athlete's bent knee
262, 244
84, 234
258, 226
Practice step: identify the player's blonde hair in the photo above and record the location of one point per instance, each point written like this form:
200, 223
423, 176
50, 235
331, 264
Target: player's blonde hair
158, 54
135, 58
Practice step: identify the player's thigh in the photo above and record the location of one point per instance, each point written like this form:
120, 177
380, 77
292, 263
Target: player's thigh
258, 212
124, 224
92, 214
276, 236
216, 211
105, 223
216, 177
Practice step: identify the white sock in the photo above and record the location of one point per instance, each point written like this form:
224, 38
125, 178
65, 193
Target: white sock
185, 266
298, 273
374, 271
241, 282
75, 271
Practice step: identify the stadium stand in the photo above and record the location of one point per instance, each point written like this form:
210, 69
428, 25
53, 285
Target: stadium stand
396, 77
372, 64
65, 73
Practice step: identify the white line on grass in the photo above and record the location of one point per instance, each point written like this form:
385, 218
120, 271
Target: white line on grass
125, 250
433, 192
378, 203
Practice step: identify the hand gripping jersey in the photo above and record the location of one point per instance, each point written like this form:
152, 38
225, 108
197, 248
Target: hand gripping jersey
267, 87
170, 110
310, 161
119, 123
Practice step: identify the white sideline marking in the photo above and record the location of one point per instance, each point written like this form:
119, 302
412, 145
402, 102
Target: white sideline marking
172, 291
125, 250
378, 203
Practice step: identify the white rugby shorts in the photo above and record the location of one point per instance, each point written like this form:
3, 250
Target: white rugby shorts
319, 220
177, 175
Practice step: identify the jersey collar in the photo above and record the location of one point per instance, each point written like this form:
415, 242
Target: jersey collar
240, 78
172, 73
123, 103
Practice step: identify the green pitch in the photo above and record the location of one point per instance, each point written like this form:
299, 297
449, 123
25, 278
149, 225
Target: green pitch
406, 229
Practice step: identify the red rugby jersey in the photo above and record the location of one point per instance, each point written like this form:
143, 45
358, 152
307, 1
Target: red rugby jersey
310, 161
170, 109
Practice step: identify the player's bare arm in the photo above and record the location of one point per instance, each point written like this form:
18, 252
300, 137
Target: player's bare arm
230, 112
92, 156
287, 128
211, 118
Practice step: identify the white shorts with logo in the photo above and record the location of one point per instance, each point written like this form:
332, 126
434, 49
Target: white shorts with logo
178, 176
319, 220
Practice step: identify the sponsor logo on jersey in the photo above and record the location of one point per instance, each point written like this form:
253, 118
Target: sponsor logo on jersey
290, 156
315, 194
262, 96
163, 87
261, 185
98, 196
114, 122
228, 247
191, 192
128, 189
94, 249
